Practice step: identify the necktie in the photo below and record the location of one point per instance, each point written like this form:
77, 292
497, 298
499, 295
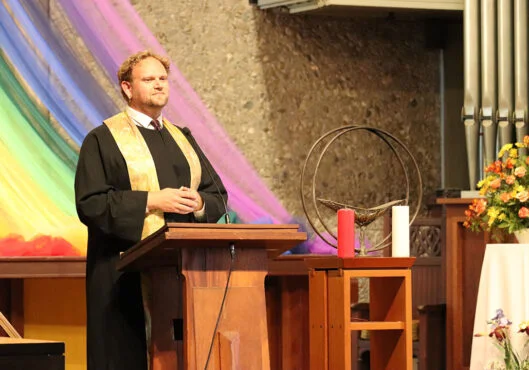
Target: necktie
156, 125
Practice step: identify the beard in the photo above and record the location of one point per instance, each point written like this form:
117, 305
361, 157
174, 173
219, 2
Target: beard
158, 101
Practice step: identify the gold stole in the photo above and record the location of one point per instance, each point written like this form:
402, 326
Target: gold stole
140, 165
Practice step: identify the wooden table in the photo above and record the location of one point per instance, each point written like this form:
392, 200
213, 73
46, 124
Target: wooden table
390, 321
27, 354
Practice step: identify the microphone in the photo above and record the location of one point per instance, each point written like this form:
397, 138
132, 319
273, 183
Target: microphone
207, 165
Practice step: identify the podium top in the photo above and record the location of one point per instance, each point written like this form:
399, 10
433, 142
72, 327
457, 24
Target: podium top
164, 245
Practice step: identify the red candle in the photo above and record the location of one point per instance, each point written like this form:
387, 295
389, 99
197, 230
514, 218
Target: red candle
346, 233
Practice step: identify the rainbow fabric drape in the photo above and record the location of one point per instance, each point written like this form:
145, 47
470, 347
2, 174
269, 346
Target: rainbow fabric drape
50, 99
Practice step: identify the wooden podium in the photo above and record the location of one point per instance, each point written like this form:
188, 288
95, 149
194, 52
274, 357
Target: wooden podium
188, 266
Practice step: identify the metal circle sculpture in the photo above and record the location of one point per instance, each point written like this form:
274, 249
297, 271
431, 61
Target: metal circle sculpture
363, 216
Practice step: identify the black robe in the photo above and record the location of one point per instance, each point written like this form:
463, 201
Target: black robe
114, 216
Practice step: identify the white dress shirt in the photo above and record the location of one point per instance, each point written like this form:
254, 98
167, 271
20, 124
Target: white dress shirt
143, 120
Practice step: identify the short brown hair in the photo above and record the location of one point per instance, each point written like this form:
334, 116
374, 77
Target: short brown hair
125, 70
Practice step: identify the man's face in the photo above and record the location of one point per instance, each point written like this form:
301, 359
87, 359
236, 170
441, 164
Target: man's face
148, 91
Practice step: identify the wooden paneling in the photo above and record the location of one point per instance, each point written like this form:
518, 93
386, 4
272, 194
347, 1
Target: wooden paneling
55, 309
287, 320
457, 239
428, 283
472, 253
11, 303
41, 267
293, 322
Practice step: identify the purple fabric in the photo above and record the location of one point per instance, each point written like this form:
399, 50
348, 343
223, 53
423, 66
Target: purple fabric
113, 30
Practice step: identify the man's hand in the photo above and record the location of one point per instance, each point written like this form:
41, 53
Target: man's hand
196, 195
182, 200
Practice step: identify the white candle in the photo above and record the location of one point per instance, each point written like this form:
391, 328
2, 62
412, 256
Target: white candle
400, 231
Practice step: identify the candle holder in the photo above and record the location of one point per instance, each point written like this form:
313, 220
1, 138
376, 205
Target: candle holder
363, 216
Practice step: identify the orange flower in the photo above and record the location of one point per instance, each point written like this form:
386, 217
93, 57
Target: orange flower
522, 196
498, 166
523, 212
495, 167
505, 197
504, 190
520, 171
479, 206
496, 183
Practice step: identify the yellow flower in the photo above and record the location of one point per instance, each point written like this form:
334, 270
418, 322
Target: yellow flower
504, 189
493, 213
504, 149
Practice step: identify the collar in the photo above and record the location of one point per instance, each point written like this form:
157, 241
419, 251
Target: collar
141, 119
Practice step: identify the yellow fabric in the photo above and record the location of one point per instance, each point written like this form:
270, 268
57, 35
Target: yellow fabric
140, 165
189, 152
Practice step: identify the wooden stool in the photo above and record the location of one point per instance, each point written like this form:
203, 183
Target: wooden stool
390, 314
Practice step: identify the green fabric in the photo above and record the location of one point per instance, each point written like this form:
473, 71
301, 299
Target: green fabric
233, 218
39, 155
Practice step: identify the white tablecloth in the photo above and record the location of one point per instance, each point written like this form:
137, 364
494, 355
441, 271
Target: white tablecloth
504, 284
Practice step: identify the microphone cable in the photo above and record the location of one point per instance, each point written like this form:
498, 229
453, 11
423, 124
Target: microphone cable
188, 134
212, 343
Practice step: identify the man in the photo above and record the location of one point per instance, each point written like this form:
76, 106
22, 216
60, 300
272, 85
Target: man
135, 172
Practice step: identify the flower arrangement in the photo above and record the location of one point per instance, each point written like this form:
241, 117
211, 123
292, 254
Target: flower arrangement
506, 193
500, 331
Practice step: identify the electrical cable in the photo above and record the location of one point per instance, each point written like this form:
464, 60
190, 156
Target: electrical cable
232, 261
